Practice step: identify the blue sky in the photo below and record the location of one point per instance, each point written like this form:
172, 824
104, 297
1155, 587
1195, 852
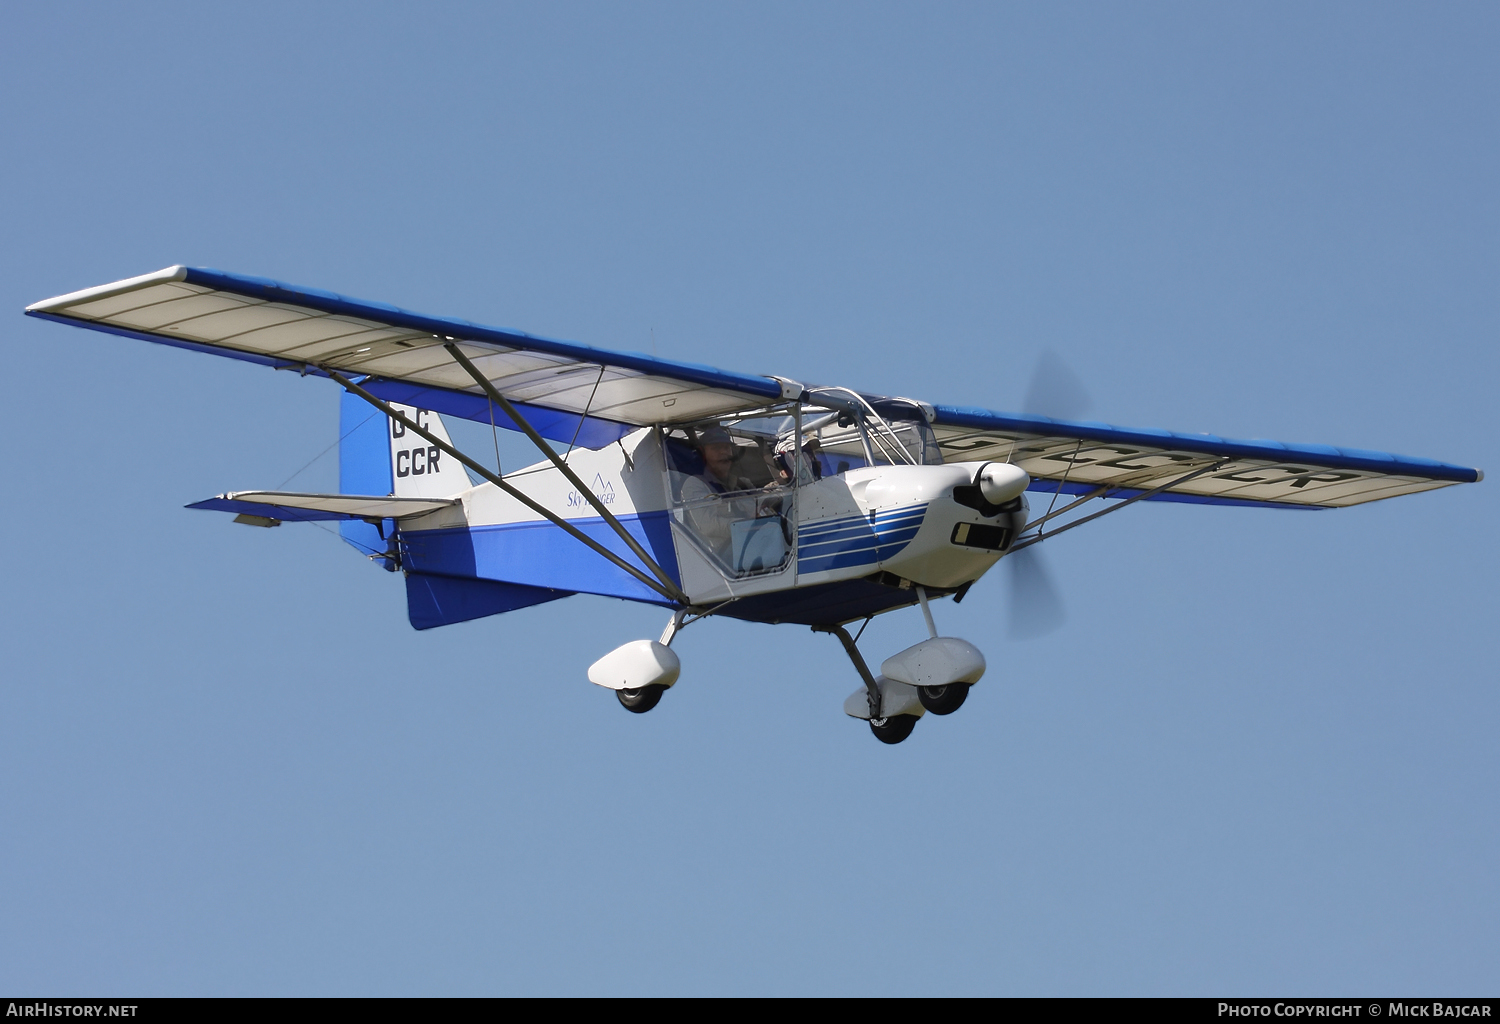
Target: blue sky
1260, 757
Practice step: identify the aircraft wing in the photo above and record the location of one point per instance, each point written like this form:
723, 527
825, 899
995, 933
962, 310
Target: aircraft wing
552, 383
1076, 458
576, 393
306, 508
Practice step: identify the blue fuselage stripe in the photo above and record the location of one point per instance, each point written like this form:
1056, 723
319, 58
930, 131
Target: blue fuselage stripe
539, 554
857, 540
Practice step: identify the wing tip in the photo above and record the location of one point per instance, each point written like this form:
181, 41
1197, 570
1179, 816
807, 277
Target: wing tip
176, 272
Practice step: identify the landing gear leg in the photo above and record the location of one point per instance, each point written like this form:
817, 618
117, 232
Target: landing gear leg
672, 627
945, 698
887, 729
872, 691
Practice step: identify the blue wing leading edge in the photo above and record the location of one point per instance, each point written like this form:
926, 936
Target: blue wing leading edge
578, 394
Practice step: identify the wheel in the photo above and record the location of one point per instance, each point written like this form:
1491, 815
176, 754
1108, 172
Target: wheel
642, 699
893, 729
943, 700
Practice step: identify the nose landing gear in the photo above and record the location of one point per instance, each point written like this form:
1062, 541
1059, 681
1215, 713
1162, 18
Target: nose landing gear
935, 675
943, 700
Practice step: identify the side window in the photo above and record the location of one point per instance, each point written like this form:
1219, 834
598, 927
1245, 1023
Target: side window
728, 496
683, 461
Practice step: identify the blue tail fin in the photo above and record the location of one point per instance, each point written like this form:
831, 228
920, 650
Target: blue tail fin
364, 467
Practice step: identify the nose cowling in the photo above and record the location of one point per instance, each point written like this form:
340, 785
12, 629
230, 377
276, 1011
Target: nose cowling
1000, 482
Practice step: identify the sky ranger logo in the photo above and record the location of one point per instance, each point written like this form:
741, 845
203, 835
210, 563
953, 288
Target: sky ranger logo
602, 488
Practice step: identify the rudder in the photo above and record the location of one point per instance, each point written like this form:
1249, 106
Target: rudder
379, 457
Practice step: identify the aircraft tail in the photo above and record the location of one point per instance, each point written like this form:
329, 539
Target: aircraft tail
378, 456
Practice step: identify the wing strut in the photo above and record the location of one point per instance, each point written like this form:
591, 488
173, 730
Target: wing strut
1124, 484
1113, 508
671, 591
1070, 506
546, 449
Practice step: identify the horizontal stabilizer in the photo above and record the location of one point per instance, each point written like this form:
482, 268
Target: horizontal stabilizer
305, 508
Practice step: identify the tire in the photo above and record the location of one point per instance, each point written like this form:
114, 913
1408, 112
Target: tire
641, 700
893, 729
943, 700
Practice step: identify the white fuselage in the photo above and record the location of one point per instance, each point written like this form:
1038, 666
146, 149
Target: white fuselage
901, 520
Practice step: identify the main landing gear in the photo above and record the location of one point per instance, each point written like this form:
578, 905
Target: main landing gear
935, 676
640, 699
641, 671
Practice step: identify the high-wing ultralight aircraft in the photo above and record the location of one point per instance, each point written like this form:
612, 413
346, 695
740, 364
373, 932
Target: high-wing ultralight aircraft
700, 490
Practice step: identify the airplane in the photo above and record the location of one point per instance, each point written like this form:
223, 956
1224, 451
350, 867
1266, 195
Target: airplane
703, 491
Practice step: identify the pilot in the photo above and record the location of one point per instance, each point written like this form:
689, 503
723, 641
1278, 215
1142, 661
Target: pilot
712, 519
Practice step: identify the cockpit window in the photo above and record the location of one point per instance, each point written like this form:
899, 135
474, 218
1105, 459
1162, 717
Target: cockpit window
734, 482
732, 495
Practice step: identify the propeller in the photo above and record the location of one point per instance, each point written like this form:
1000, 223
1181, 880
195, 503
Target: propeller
1036, 608
1056, 391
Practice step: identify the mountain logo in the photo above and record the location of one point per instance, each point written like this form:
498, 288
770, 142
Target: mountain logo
603, 490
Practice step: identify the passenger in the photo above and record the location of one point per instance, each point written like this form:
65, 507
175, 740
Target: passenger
786, 462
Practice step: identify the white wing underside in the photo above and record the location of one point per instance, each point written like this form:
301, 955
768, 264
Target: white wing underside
280, 325
167, 304
1074, 465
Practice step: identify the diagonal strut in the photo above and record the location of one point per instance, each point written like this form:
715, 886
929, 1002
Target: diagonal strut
671, 592
1113, 508
498, 399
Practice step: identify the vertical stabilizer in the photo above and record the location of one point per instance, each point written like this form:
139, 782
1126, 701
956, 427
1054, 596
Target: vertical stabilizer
419, 469
380, 457
364, 467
